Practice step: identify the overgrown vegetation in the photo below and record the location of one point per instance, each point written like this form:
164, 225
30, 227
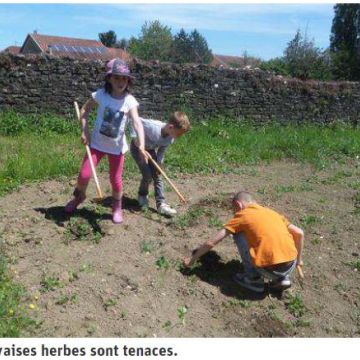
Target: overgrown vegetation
14, 319
39, 148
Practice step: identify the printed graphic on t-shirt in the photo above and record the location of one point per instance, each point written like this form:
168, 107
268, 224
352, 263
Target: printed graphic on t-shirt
111, 122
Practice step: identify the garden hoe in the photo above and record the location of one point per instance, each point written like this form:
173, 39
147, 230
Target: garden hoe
99, 195
162, 172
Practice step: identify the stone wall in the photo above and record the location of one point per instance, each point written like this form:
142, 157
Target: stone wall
43, 84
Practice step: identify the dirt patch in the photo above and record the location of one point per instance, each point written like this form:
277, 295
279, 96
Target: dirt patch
88, 277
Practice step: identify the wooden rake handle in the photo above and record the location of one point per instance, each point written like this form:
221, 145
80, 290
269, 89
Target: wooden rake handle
300, 272
162, 172
98, 189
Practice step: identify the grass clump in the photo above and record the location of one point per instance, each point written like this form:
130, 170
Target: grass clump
295, 305
50, 283
14, 320
147, 247
80, 229
162, 263
354, 265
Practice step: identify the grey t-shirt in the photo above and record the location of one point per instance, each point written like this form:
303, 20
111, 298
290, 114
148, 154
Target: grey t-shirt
153, 138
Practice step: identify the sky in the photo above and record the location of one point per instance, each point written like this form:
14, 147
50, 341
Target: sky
262, 30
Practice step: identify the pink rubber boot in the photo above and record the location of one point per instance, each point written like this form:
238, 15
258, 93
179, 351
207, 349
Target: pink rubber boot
72, 205
117, 216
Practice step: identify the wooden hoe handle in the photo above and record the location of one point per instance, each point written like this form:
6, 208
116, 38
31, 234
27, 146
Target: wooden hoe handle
162, 172
98, 189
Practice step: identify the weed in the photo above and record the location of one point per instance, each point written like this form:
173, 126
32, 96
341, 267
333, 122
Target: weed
302, 323
316, 241
14, 319
162, 263
357, 199
50, 283
167, 325
295, 305
354, 264
181, 312
214, 221
123, 315
91, 329
87, 268
284, 188
305, 187
339, 176
109, 303
73, 275
309, 220
178, 265
190, 218
63, 299
80, 229
146, 247
237, 302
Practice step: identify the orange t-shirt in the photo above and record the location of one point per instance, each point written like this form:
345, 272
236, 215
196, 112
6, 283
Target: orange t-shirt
266, 233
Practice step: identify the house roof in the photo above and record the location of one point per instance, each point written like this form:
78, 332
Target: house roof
45, 40
233, 61
61, 46
226, 60
12, 49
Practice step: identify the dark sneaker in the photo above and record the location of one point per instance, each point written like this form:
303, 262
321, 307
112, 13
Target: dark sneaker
255, 284
280, 285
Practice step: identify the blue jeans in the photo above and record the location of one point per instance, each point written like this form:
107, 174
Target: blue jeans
276, 272
149, 174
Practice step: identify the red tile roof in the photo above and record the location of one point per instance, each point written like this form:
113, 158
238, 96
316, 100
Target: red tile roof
233, 61
13, 49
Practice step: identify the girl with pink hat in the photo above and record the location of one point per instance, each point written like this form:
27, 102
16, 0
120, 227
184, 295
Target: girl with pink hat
115, 105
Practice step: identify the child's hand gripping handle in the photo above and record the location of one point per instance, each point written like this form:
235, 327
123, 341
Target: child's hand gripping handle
162, 172
98, 189
300, 271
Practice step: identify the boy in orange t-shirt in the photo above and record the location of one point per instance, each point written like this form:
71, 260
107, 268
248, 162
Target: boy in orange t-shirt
269, 245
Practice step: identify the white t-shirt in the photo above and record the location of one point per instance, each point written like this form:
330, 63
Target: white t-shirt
112, 116
153, 137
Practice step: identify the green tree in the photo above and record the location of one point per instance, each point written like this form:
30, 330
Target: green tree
200, 51
345, 41
181, 48
122, 44
276, 65
108, 38
304, 60
154, 43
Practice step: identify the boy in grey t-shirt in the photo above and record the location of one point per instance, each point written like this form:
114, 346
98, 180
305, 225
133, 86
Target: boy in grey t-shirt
158, 136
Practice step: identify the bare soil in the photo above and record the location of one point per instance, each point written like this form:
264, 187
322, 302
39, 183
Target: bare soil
88, 277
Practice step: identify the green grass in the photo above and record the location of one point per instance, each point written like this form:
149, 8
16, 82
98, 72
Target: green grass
14, 320
36, 148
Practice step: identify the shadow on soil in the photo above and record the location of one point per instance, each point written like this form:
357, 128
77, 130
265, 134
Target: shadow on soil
59, 216
217, 273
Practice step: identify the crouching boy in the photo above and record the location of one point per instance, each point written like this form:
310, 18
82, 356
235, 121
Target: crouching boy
269, 245
158, 136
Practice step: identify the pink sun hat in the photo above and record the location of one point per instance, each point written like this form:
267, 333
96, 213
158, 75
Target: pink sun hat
118, 67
